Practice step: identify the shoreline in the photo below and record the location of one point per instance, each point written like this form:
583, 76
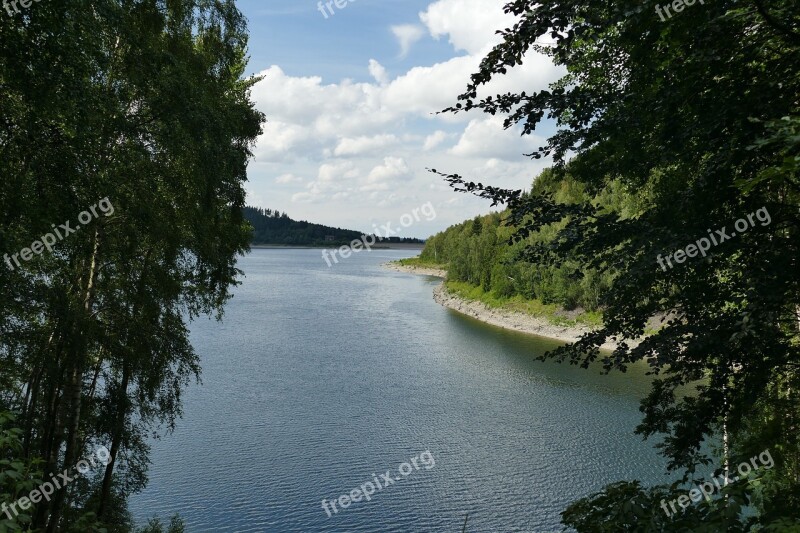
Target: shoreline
380, 246
506, 319
420, 271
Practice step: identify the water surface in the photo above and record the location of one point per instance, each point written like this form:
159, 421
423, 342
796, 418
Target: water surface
320, 377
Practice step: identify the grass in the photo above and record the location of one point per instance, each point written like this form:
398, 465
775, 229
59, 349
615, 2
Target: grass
550, 312
417, 262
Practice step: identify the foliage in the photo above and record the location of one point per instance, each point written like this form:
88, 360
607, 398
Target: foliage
18, 477
478, 252
700, 115
419, 262
554, 314
176, 525
145, 104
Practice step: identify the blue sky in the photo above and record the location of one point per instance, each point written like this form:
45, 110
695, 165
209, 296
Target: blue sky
350, 100
296, 36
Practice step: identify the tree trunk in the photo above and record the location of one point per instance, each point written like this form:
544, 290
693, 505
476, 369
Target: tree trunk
74, 389
119, 432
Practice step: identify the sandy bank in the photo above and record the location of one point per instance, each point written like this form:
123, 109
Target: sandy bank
513, 320
422, 271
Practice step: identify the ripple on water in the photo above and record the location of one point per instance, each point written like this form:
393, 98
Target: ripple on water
320, 378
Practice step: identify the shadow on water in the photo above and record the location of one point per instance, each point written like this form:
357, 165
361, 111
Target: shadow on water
521, 350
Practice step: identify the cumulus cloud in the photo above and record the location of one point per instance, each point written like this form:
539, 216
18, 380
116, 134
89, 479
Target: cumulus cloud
362, 145
368, 142
302, 197
324, 111
407, 35
381, 176
337, 171
280, 141
486, 138
335, 180
469, 25
428, 89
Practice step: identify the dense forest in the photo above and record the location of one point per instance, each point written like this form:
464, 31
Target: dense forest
276, 228
479, 252
675, 192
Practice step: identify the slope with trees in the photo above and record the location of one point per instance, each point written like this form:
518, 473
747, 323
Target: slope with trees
481, 260
276, 228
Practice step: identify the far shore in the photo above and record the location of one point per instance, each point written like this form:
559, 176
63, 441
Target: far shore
377, 246
507, 319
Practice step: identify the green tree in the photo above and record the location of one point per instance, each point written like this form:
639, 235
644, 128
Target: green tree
144, 104
700, 114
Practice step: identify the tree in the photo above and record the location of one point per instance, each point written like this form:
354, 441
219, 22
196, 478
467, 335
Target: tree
700, 111
145, 106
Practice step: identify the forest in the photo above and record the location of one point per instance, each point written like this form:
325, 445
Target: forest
479, 252
276, 228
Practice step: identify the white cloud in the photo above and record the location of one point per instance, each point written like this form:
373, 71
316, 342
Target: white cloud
337, 171
392, 167
426, 90
302, 197
362, 145
433, 140
381, 176
368, 142
486, 138
470, 25
378, 72
407, 35
288, 178
335, 180
325, 112
280, 140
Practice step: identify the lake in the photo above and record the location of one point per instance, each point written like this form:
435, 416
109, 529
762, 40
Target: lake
320, 380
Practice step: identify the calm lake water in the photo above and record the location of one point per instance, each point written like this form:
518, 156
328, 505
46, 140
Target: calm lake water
319, 378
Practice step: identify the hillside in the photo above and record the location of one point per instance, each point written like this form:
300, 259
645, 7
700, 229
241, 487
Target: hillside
276, 228
482, 262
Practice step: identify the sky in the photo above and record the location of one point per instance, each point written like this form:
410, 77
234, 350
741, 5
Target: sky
351, 96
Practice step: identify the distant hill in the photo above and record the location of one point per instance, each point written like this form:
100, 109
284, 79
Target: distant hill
274, 227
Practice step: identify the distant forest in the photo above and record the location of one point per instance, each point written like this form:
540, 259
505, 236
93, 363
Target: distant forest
274, 227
